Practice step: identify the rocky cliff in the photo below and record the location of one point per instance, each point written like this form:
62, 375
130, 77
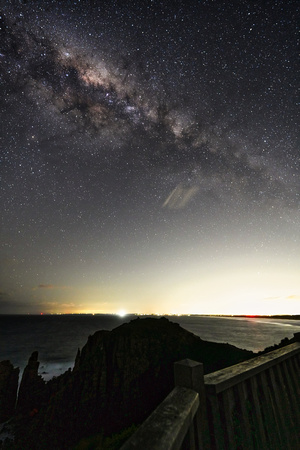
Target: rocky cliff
32, 392
9, 377
119, 377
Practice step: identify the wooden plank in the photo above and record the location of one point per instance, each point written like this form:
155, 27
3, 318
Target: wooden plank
216, 427
245, 409
258, 419
287, 410
229, 417
294, 377
297, 360
294, 401
277, 392
228, 377
286, 400
271, 424
297, 357
295, 384
295, 367
189, 442
167, 426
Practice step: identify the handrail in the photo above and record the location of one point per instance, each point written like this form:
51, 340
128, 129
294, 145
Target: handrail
252, 404
167, 426
255, 404
225, 378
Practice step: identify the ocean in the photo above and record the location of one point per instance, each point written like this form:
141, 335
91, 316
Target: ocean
58, 337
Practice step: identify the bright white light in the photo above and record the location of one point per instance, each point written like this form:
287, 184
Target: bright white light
121, 313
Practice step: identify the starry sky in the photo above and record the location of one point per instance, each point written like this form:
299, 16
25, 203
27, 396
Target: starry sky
149, 157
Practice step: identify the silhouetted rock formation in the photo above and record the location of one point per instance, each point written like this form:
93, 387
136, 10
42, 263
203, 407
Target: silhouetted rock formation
118, 379
33, 390
9, 377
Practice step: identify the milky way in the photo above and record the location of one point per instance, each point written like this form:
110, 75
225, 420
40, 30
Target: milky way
143, 141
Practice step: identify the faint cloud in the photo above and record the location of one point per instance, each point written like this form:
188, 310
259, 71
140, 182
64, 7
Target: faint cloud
50, 286
48, 305
56, 307
69, 305
46, 286
294, 297
180, 197
9, 305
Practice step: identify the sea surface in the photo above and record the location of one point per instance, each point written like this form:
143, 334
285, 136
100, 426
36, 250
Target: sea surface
58, 337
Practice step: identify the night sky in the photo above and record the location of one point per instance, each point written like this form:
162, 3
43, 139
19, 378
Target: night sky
149, 157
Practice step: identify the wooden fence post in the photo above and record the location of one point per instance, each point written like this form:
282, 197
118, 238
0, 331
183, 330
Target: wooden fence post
189, 374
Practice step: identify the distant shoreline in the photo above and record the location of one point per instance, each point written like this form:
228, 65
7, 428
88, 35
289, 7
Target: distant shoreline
244, 316
281, 316
276, 316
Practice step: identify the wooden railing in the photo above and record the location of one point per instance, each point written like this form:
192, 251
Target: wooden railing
256, 404
251, 405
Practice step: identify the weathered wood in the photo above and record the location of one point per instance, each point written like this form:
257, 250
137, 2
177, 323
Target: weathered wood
291, 421
228, 415
286, 401
223, 379
167, 426
216, 427
297, 362
295, 369
260, 435
295, 388
244, 407
271, 424
294, 401
279, 406
189, 374
190, 442
294, 378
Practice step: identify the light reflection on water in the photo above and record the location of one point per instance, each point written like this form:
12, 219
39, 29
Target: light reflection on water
247, 333
57, 338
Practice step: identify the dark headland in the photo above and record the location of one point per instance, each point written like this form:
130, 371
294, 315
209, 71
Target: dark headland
119, 377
